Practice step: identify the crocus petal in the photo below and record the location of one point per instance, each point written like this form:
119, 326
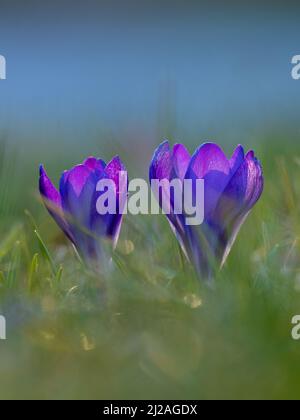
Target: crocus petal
165, 165
243, 190
78, 177
73, 186
207, 158
162, 169
94, 164
63, 179
210, 163
162, 162
255, 179
181, 160
237, 158
47, 189
239, 197
77, 193
111, 223
52, 201
113, 169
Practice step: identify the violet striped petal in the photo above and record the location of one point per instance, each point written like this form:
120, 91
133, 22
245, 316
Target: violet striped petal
52, 200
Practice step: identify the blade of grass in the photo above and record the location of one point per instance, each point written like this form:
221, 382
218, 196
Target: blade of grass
9, 241
14, 265
33, 269
45, 253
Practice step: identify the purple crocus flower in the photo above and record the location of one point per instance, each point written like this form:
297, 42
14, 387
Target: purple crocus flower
231, 189
73, 207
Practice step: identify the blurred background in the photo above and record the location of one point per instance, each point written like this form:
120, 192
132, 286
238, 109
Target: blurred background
140, 70
116, 77
109, 77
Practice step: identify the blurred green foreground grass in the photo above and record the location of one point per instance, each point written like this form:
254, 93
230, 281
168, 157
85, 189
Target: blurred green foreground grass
149, 329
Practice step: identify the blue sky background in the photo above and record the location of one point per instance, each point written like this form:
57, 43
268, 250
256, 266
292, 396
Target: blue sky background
206, 69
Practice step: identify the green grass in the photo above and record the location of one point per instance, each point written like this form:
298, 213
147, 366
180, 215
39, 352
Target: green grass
149, 328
